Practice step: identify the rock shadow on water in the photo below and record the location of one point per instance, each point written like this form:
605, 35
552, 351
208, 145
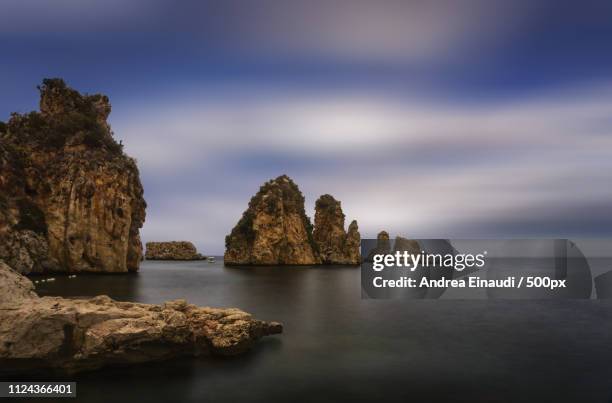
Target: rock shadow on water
125, 287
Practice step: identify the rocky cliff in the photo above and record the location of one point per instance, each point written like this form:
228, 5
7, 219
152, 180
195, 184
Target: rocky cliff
274, 229
70, 199
175, 250
71, 335
335, 245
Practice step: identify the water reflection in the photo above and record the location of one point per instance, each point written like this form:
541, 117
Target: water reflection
123, 287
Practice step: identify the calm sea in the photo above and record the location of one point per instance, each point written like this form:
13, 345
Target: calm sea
337, 347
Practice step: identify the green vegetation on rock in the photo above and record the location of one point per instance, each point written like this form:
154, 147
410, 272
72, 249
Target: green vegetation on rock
69, 196
65, 117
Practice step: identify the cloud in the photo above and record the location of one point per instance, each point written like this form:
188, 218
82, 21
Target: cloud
411, 166
36, 16
362, 30
351, 30
342, 123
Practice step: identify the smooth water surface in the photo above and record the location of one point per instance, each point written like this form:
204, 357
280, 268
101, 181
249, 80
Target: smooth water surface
338, 347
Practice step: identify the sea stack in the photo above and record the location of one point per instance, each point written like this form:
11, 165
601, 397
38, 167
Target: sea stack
335, 245
274, 230
383, 246
406, 245
382, 242
70, 198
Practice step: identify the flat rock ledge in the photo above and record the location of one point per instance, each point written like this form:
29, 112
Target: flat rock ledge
65, 336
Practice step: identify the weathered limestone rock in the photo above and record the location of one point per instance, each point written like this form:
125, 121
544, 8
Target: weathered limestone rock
14, 288
334, 244
70, 335
407, 245
175, 250
26, 250
70, 199
353, 244
274, 230
383, 242
383, 246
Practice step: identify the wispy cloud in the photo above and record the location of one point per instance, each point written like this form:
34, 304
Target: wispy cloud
351, 30
35, 16
428, 118
410, 166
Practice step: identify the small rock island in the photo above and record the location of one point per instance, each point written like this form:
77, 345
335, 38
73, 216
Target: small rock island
175, 250
275, 230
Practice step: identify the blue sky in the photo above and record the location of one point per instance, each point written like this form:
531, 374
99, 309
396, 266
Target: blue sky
426, 118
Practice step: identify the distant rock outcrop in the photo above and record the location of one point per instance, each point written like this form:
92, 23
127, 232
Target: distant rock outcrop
406, 245
382, 242
335, 245
383, 246
175, 250
71, 335
353, 244
70, 199
274, 230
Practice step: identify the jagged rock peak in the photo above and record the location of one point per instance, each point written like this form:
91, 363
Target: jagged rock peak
335, 245
70, 199
353, 243
56, 98
274, 229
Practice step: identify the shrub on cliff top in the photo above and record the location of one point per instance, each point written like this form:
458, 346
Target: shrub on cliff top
65, 115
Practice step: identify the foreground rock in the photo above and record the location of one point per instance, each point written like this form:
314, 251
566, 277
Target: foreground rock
274, 230
335, 245
175, 250
70, 199
52, 334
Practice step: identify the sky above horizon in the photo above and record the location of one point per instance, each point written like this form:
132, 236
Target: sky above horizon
429, 119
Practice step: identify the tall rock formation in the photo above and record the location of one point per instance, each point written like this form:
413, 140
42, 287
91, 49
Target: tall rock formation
70, 199
274, 230
353, 244
335, 245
